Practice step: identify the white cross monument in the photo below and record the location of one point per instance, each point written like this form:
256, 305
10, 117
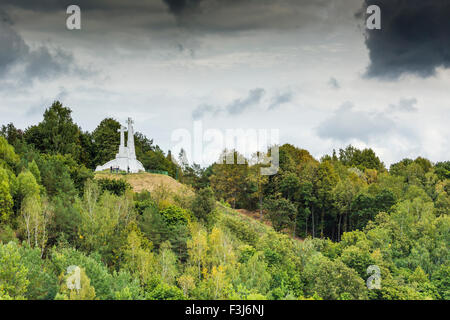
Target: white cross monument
126, 158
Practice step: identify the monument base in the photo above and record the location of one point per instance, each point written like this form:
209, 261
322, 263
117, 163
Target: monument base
123, 164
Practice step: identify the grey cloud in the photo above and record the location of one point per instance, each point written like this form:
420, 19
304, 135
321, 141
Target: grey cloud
63, 94
181, 6
238, 15
40, 63
414, 38
202, 110
236, 107
240, 105
347, 123
54, 5
280, 99
13, 47
404, 105
38, 108
333, 83
5, 18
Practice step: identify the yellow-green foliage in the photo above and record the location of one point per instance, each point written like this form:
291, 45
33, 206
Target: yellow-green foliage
85, 291
13, 274
6, 200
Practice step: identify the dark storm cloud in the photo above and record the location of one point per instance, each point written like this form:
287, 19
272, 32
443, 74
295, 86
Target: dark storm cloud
13, 47
180, 6
204, 15
5, 18
240, 15
40, 63
414, 38
46, 5
346, 123
236, 107
43, 64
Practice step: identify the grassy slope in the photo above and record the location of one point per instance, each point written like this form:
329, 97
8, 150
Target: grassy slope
242, 227
245, 229
145, 181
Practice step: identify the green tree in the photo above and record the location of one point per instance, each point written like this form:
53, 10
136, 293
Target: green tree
34, 169
100, 278
106, 141
168, 263
281, 212
204, 206
254, 274
165, 292
8, 157
43, 283
255, 177
102, 219
11, 133
442, 169
13, 274
57, 133
333, 280
326, 181
6, 200
85, 291
343, 195
229, 178
27, 186
362, 159
308, 202
140, 259
55, 176
114, 186
197, 248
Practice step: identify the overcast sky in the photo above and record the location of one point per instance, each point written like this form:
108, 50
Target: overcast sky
306, 67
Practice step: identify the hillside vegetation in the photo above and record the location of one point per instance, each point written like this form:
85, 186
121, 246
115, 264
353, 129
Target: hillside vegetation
368, 232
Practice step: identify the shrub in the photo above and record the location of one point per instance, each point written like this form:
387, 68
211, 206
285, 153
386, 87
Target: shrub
117, 187
165, 292
174, 215
204, 206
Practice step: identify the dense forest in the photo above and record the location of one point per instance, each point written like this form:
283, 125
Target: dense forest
319, 223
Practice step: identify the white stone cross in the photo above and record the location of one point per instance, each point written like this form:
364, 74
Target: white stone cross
122, 135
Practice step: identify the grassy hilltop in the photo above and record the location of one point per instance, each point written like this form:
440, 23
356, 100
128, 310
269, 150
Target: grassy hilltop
145, 181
